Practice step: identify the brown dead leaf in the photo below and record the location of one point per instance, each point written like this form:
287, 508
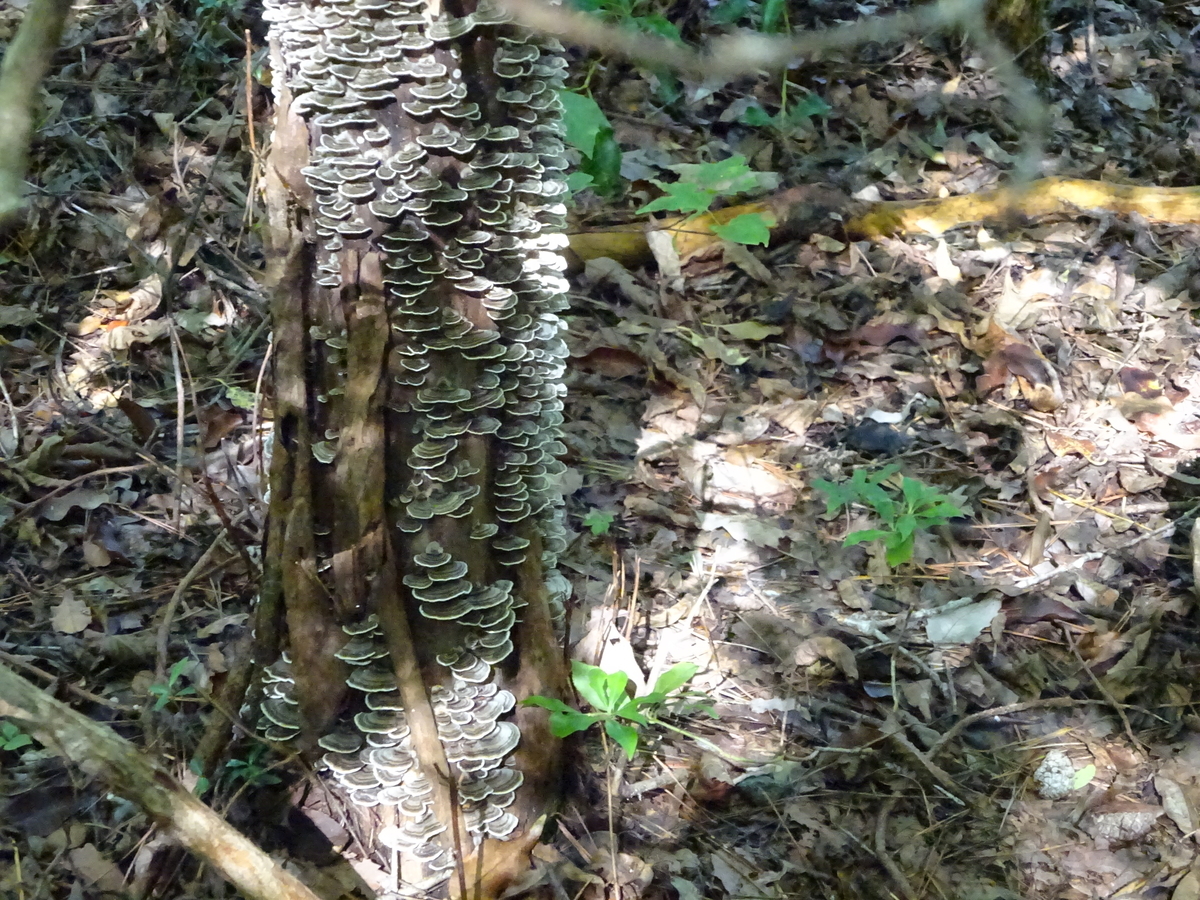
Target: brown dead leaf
1140, 381
823, 646
1188, 887
1175, 803
1062, 444
611, 362
71, 615
1005, 355
215, 424
96, 869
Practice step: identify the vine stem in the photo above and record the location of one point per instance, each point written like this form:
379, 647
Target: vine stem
612, 825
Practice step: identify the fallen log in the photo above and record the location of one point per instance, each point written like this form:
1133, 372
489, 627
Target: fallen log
819, 208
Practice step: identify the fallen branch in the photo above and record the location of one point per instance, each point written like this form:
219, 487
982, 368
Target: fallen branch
1044, 197
97, 751
815, 208
24, 66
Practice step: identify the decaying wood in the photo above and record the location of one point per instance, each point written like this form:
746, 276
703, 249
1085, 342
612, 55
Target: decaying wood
809, 209
97, 751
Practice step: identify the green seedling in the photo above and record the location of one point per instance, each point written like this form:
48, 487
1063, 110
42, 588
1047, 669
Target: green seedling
698, 188
12, 737
620, 714
252, 769
165, 693
791, 116
598, 521
915, 507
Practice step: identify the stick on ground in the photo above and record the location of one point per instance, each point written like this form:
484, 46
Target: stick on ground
96, 750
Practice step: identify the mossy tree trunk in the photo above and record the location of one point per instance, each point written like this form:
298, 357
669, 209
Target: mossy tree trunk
414, 187
1021, 25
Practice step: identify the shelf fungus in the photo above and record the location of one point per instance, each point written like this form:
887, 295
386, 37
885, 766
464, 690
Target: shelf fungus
415, 191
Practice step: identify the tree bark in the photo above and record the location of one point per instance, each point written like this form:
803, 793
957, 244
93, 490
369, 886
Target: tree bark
414, 195
25, 64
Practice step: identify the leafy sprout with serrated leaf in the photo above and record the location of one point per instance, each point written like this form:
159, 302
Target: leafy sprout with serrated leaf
620, 714
904, 512
700, 185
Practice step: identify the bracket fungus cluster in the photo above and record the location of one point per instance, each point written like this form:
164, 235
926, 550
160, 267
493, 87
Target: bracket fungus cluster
429, 185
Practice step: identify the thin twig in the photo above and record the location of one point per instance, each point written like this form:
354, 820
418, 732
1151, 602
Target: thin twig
885, 858
164, 628
996, 711
82, 693
1118, 707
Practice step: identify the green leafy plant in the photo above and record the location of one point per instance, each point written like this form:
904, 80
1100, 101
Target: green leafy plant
768, 16
698, 188
253, 769
914, 507
12, 737
792, 114
620, 714
636, 14
598, 521
588, 130
165, 693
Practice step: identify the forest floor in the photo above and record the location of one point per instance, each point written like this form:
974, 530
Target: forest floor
1003, 708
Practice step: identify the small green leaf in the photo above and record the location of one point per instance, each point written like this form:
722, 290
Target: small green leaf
565, 724
757, 117
836, 495
12, 737
1083, 777
772, 16
629, 710
862, 537
726, 176
604, 164
598, 521
675, 677
625, 735
748, 228
583, 120
614, 690
657, 24
800, 110
713, 348
899, 550
578, 181
177, 671
590, 681
549, 703
240, 398
681, 196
